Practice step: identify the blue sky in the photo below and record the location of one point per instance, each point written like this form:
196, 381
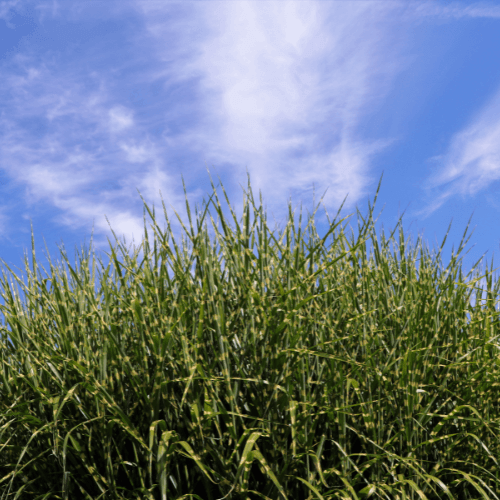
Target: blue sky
101, 98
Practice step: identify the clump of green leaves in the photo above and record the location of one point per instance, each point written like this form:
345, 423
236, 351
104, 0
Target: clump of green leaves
250, 366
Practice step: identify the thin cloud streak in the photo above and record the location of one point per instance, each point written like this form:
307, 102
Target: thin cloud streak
458, 10
472, 161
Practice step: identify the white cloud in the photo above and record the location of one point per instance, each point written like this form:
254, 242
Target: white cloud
60, 142
136, 154
120, 119
6, 9
457, 10
472, 161
279, 78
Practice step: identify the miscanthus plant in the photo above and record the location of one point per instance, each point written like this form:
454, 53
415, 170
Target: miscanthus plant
250, 365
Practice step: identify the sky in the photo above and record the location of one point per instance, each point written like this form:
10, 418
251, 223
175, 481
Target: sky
101, 100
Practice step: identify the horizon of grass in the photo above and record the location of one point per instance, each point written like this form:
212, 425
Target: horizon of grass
298, 372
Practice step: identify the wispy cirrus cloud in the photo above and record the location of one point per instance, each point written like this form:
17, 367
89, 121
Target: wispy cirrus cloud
70, 144
283, 87
457, 10
6, 8
472, 161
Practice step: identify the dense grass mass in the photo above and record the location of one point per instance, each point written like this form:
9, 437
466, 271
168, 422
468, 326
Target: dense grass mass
251, 365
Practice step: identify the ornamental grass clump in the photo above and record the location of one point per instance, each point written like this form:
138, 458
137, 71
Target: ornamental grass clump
250, 365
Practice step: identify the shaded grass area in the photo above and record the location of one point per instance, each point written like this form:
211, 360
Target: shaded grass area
250, 365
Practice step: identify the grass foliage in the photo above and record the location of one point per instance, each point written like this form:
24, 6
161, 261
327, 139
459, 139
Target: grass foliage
250, 365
